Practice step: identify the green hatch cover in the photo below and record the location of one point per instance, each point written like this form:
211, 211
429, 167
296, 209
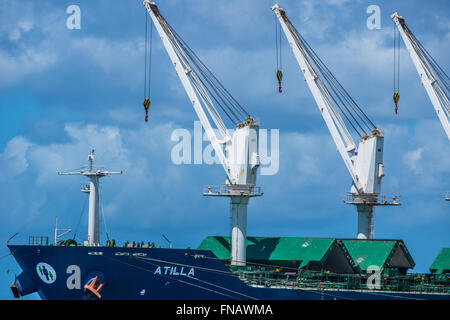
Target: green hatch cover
442, 262
380, 253
274, 249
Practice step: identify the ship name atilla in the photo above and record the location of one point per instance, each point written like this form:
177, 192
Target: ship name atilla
175, 271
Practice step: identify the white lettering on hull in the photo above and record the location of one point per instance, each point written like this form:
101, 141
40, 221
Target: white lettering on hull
175, 271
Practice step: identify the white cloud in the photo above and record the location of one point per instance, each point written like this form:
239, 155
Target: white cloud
418, 157
23, 54
338, 2
13, 160
17, 66
311, 156
411, 158
109, 54
309, 14
22, 26
142, 153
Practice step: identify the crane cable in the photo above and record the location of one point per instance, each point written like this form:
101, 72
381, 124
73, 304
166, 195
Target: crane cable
396, 95
278, 54
147, 83
432, 68
206, 84
332, 90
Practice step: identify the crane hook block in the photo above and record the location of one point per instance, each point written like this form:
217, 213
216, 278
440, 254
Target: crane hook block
146, 106
396, 98
279, 77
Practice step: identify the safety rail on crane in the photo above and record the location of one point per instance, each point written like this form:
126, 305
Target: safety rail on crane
372, 199
226, 190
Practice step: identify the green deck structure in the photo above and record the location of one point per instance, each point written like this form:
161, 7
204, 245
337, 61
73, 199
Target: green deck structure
343, 256
388, 255
441, 264
300, 253
328, 263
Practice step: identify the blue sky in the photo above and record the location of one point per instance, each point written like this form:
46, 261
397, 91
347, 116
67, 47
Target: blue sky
64, 92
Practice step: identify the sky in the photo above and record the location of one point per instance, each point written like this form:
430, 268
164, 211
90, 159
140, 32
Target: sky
66, 91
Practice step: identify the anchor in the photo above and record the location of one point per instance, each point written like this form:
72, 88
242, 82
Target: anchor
93, 288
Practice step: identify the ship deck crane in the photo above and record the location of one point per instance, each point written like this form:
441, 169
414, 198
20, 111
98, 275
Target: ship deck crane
237, 151
433, 77
365, 162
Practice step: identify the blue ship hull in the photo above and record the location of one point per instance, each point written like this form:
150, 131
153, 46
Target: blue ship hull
60, 273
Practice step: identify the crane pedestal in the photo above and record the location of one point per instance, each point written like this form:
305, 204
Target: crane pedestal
239, 195
365, 221
365, 203
238, 230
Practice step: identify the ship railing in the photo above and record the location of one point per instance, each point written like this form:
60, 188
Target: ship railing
373, 199
38, 241
430, 283
226, 190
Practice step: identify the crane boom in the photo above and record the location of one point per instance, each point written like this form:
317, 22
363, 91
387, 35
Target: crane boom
424, 65
183, 69
339, 132
238, 153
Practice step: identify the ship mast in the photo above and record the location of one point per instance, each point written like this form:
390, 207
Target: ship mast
93, 190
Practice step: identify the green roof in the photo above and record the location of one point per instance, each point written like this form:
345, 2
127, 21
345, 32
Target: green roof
220, 246
442, 262
274, 249
381, 253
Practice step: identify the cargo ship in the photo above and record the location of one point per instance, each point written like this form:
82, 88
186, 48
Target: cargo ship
143, 273
277, 268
